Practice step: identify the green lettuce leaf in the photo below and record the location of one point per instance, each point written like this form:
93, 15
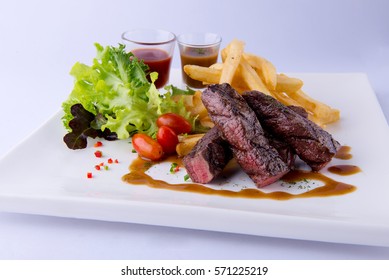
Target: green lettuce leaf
116, 87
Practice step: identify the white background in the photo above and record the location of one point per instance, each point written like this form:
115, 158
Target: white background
41, 40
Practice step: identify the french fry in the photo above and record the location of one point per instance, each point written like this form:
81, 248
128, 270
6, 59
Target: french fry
211, 75
265, 69
224, 53
218, 66
285, 99
251, 77
187, 143
204, 74
231, 63
306, 101
288, 84
207, 122
198, 108
322, 112
326, 115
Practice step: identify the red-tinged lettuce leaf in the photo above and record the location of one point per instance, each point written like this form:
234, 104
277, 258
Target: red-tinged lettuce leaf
84, 125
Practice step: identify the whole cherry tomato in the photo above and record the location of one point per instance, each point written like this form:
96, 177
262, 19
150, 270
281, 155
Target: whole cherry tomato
168, 139
176, 122
147, 147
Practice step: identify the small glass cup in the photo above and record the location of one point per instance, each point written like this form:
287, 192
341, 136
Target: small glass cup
155, 48
198, 49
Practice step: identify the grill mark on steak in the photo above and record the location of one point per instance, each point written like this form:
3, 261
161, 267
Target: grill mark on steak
311, 143
208, 157
239, 126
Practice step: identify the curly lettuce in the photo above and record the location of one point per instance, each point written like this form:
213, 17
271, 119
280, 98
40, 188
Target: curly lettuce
116, 87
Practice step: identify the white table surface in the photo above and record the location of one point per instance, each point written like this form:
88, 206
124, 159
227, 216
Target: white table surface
41, 40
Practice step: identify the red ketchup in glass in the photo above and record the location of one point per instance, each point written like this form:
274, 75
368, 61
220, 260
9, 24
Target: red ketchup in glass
158, 60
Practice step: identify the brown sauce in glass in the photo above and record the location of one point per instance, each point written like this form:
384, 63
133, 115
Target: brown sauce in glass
139, 166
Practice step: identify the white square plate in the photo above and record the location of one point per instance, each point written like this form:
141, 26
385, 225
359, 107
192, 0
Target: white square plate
42, 176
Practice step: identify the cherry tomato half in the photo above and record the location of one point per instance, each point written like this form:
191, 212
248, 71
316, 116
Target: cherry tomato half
147, 147
176, 122
168, 139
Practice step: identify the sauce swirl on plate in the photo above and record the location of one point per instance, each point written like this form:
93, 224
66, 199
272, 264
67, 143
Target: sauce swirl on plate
344, 169
344, 153
330, 187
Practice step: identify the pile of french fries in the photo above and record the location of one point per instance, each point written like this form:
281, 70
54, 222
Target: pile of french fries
246, 71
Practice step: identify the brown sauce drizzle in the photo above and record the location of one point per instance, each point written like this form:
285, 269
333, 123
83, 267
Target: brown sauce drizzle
344, 153
139, 166
344, 169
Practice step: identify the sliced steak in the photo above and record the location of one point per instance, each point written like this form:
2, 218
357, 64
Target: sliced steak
311, 143
239, 126
299, 110
284, 150
208, 157
212, 153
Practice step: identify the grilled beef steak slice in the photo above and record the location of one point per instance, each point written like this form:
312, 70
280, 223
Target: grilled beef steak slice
311, 143
299, 110
208, 157
212, 153
239, 126
284, 150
